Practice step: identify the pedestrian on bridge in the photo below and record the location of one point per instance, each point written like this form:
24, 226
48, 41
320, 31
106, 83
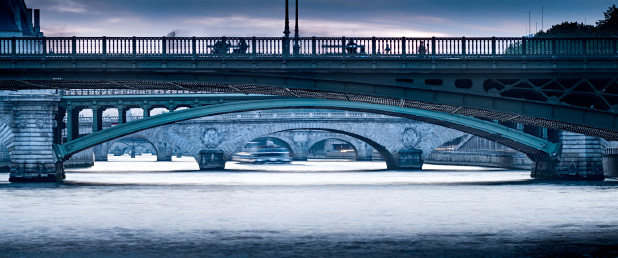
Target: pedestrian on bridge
422, 50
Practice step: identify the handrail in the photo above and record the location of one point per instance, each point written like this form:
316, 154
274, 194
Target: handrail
269, 47
261, 116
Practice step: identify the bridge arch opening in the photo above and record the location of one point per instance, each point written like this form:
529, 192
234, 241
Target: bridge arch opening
389, 156
157, 110
276, 141
333, 148
132, 146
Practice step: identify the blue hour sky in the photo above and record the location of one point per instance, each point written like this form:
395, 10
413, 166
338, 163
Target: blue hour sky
396, 18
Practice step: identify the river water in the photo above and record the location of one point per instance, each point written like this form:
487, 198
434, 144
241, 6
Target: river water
142, 208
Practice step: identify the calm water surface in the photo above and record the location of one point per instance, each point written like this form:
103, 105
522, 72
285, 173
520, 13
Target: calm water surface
141, 208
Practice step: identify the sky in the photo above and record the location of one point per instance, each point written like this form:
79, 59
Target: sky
383, 18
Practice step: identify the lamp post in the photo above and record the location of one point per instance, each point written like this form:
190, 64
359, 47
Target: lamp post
296, 36
286, 32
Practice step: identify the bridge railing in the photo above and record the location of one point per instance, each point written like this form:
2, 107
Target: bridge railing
109, 92
254, 116
211, 47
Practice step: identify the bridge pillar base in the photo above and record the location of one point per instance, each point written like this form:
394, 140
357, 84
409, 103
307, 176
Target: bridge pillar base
545, 169
34, 125
164, 152
581, 157
610, 162
37, 173
410, 159
100, 153
554, 169
211, 159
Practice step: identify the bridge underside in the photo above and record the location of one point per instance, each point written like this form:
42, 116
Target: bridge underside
558, 116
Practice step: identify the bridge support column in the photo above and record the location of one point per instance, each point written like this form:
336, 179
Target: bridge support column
117, 152
610, 162
410, 159
300, 154
164, 151
581, 159
100, 153
211, 159
33, 158
365, 153
544, 168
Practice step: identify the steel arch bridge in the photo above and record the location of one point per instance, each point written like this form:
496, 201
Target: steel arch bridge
533, 146
561, 83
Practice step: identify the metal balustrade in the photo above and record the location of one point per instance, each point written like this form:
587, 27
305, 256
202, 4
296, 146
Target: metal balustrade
269, 47
253, 116
108, 92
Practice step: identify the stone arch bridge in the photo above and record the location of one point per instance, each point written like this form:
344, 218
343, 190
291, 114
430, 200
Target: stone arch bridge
403, 143
20, 105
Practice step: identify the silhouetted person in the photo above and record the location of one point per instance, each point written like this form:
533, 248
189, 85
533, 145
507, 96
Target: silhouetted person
422, 50
351, 47
220, 47
242, 47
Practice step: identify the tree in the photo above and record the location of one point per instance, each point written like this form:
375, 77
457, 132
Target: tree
609, 26
568, 29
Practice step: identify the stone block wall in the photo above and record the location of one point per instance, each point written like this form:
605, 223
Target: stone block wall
582, 156
31, 117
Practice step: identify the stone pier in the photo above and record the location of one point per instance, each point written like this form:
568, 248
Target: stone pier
32, 124
410, 159
610, 162
581, 159
211, 159
164, 151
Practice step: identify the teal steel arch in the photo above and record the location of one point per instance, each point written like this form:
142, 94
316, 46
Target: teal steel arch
64, 151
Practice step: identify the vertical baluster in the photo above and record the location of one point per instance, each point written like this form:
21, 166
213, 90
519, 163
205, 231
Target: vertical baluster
14, 47
164, 46
463, 46
104, 46
44, 46
74, 46
433, 47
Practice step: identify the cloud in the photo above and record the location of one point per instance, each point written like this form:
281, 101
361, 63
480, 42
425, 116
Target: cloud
65, 6
253, 26
410, 18
68, 31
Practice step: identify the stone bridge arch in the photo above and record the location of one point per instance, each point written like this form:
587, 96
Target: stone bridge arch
289, 143
342, 137
158, 137
240, 137
345, 138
